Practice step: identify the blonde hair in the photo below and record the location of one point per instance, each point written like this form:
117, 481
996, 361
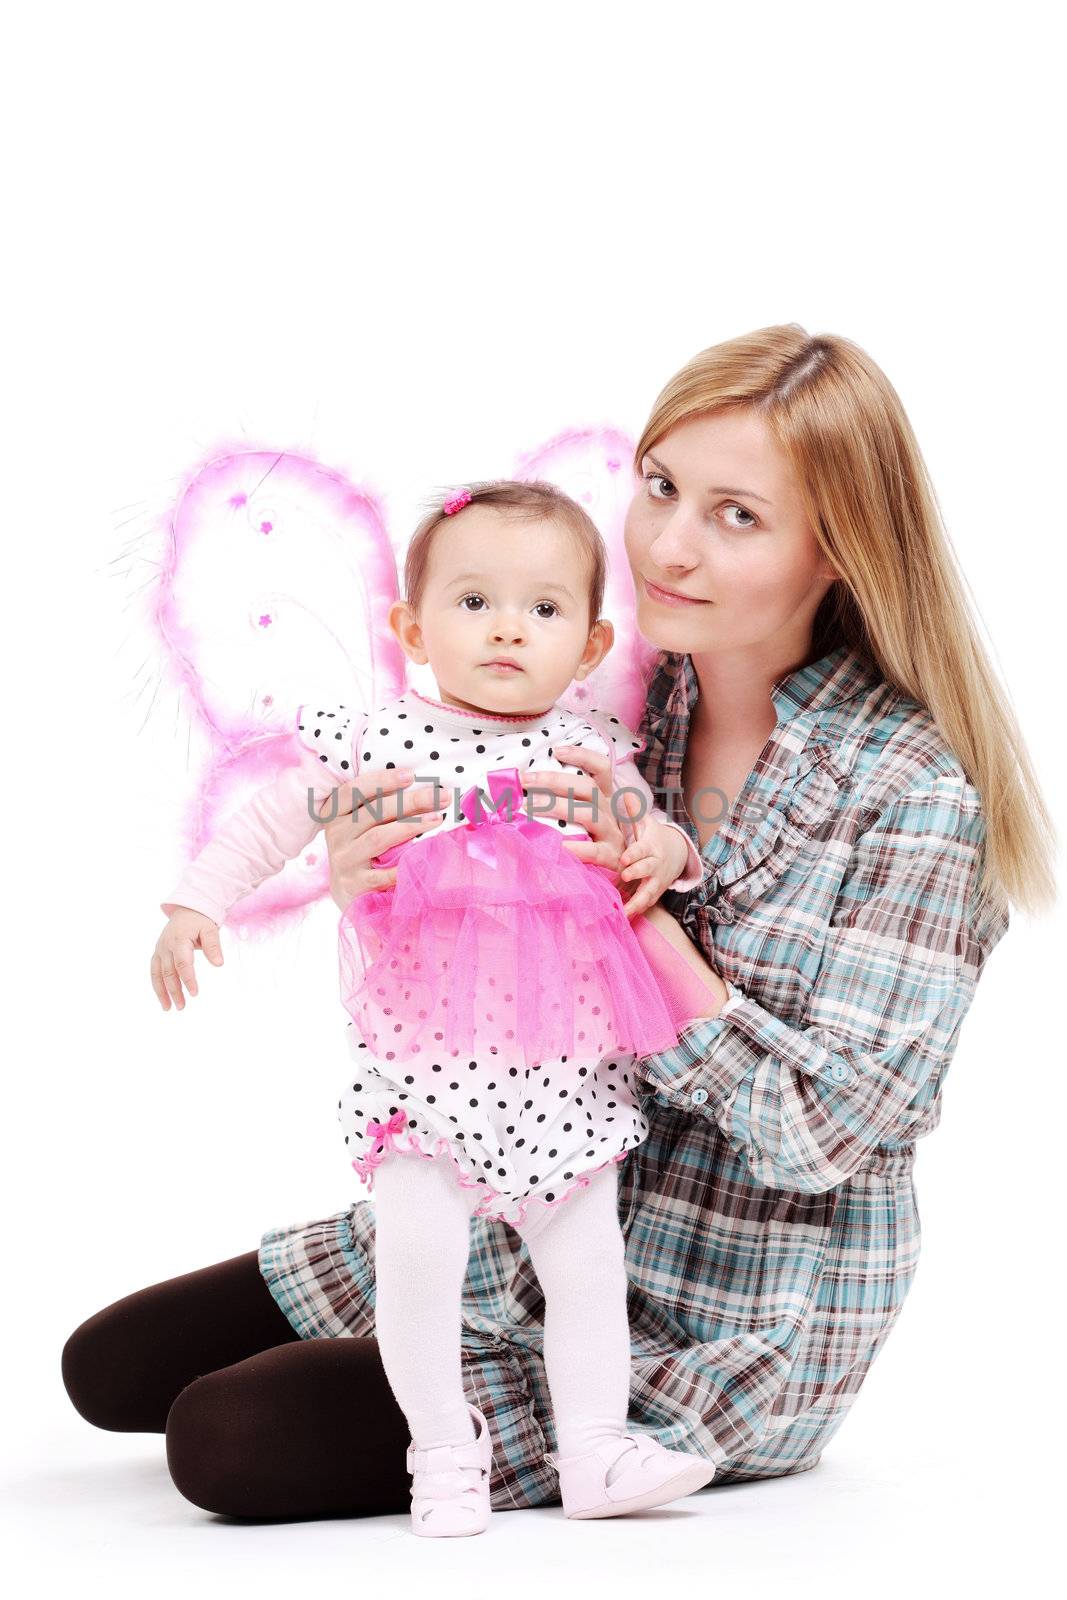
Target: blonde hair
533, 500
900, 600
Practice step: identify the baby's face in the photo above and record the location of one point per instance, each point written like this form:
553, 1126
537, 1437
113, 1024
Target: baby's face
504, 587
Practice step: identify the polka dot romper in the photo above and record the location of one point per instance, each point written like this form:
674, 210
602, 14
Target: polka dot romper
525, 1135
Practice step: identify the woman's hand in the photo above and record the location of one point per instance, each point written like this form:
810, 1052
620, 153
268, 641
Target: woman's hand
172, 960
607, 846
354, 839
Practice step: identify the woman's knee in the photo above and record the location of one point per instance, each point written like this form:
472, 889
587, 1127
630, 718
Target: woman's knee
101, 1368
124, 1366
213, 1445
235, 1435
310, 1429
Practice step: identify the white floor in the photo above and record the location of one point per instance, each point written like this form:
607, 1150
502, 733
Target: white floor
98, 1511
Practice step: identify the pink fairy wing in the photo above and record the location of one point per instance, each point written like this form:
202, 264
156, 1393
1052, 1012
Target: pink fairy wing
595, 467
276, 589
274, 593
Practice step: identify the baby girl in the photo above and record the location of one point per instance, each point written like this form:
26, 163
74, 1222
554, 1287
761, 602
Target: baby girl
497, 990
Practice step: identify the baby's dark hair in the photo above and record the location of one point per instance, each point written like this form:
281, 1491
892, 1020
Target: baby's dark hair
535, 499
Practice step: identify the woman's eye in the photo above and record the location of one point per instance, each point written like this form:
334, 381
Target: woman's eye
751, 523
657, 477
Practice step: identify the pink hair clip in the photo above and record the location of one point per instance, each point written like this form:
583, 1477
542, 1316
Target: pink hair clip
457, 502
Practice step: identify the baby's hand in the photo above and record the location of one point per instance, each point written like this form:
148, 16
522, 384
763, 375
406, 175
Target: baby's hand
172, 962
658, 854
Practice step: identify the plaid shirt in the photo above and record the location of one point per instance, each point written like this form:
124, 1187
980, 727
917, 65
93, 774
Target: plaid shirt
770, 1214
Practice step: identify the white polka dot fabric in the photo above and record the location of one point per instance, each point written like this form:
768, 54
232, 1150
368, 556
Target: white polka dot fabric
527, 1136
456, 747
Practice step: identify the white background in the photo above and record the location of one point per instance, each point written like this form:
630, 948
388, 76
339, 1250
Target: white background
418, 240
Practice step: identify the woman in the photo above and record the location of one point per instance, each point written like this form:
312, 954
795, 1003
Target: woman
826, 725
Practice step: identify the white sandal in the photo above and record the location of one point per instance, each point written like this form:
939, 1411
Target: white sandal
646, 1475
450, 1487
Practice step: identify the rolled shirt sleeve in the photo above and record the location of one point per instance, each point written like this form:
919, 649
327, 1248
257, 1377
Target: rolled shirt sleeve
806, 1104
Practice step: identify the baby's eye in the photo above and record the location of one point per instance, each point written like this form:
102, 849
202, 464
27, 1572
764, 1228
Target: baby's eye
657, 477
541, 605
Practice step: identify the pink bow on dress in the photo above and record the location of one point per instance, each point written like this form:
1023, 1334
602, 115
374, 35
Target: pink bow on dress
505, 791
501, 780
384, 1130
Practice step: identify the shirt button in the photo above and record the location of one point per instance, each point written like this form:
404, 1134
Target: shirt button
698, 1096
841, 1072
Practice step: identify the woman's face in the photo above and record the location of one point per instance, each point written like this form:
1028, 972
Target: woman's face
717, 518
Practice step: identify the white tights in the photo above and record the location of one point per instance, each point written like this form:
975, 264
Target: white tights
422, 1227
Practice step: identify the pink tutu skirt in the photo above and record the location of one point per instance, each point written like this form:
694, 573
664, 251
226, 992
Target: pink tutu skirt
495, 939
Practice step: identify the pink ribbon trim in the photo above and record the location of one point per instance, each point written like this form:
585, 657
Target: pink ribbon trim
384, 1135
441, 1146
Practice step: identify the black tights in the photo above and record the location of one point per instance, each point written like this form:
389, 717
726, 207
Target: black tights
259, 1422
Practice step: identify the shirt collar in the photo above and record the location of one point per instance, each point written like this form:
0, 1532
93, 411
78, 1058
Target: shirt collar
833, 678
